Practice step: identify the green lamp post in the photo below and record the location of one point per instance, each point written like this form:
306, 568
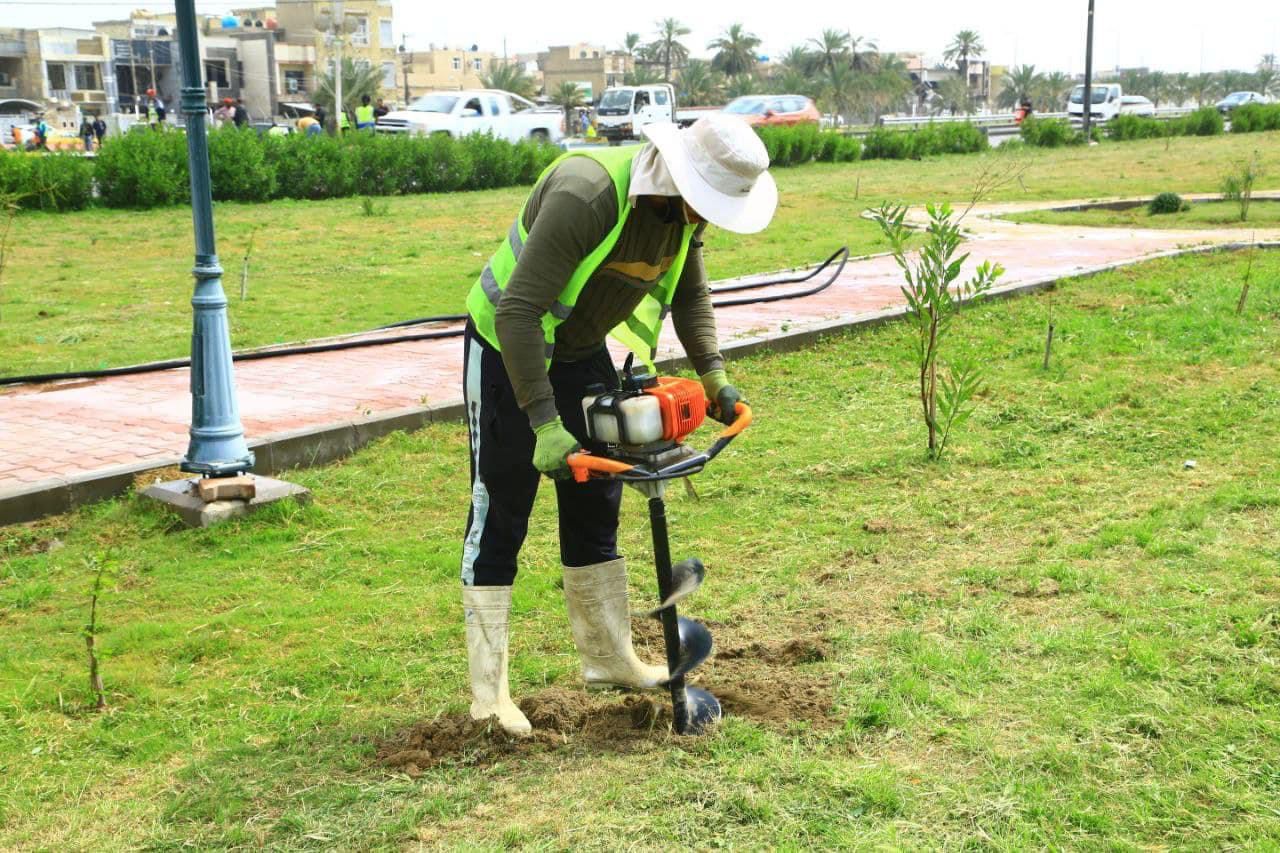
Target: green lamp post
217, 447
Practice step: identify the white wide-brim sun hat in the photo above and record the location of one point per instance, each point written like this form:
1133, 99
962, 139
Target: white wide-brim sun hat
721, 168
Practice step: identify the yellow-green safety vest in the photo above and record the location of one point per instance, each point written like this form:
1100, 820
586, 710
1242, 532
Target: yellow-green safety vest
343, 121
364, 114
640, 331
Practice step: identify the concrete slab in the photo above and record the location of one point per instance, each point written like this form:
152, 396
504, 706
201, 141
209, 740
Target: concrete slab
182, 496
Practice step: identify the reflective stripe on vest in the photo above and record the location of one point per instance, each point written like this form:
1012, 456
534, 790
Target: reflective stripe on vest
639, 331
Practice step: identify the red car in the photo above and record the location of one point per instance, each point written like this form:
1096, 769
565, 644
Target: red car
774, 109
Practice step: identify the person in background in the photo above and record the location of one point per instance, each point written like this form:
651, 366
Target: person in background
241, 115
86, 134
364, 114
344, 122
306, 125
321, 117
225, 113
99, 129
380, 110
42, 134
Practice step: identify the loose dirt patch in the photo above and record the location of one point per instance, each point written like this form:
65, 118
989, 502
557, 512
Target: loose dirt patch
756, 681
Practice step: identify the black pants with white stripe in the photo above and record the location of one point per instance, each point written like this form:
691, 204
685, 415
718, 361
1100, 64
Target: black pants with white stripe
504, 481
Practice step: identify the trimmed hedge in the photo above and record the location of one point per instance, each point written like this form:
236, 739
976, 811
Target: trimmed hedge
1206, 121
53, 182
143, 169
1054, 132
147, 169
933, 139
1252, 118
792, 146
1050, 132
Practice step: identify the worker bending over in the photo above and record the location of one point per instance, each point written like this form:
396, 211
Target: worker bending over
608, 242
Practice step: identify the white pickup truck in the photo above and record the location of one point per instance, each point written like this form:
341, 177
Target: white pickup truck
502, 114
1104, 104
623, 110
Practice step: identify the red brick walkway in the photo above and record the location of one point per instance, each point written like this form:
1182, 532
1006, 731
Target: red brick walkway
70, 430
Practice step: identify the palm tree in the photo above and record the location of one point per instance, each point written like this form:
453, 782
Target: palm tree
1266, 80
839, 89
833, 48
1157, 87
1135, 82
799, 60
890, 84
630, 42
1235, 81
742, 84
953, 96
966, 45
735, 51
568, 97
791, 82
699, 83
863, 53
357, 81
1204, 87
1179, 88
509, 77
643, 75
1019, 85
666, 49
1055, 88
1268, 63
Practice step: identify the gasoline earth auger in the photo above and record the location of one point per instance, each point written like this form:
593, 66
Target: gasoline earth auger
643, 426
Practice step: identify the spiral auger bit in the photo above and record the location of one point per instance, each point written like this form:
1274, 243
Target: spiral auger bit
643, 426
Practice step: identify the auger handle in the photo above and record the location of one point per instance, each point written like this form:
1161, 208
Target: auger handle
583, 463
741, 422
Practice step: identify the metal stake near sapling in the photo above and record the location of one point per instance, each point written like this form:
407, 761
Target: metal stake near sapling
644, 425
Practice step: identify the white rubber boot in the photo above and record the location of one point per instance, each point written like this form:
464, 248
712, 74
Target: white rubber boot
486, 610
601, 622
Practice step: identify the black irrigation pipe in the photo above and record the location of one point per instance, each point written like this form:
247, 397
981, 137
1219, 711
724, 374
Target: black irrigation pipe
334, 346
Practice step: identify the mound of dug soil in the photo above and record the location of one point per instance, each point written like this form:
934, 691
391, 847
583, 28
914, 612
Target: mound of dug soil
787, 653
755, 681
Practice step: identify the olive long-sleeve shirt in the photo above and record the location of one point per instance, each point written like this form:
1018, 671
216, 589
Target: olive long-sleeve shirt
568, 215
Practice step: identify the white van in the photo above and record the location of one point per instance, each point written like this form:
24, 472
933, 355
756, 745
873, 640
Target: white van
1104, 105
623, 110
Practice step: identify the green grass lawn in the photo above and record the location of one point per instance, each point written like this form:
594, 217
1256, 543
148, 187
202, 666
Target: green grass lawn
1213, 214
103, 287
1059, 637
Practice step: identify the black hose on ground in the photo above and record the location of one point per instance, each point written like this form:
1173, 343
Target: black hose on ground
332, 346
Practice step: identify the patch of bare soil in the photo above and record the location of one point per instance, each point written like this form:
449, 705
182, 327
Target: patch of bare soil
756, 680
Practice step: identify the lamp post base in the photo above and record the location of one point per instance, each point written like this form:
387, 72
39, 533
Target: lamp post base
184, 498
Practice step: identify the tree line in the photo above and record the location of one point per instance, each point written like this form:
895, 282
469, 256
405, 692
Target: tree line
849, 76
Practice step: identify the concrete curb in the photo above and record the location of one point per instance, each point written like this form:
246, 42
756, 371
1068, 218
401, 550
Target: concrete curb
279, 452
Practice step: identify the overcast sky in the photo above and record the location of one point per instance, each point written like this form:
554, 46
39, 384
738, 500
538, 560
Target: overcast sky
1173, 35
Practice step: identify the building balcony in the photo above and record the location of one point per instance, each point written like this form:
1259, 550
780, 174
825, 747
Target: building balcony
13, 48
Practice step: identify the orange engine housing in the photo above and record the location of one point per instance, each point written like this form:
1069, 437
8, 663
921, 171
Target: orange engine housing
683, 405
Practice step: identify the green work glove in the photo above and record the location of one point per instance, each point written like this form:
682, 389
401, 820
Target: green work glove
554, 444
723, 396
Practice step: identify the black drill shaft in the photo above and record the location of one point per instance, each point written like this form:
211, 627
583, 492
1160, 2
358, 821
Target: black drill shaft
670, 627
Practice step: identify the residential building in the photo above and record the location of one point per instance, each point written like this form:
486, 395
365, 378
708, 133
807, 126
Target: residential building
21, 77
142, 55
369, 41
592, 67
927, 76
437, 69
